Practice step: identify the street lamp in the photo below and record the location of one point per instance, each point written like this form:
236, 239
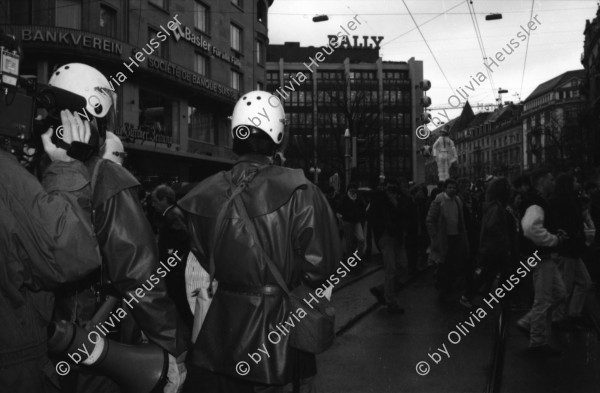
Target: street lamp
320, 18
493, 16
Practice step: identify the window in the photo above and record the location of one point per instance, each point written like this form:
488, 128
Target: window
201, 125
259, 52
236, 80
272, 76
201, 64
156, 113
201, 16
159, 3
309, 99
391, 75
108, 21
68, 13
236, 38
163, 49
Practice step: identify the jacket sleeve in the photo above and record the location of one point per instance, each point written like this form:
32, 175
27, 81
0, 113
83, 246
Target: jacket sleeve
315, 235
174, 235
433, 216
131, 255
534, 230
53, 225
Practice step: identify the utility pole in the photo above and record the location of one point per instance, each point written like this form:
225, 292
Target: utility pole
348, 155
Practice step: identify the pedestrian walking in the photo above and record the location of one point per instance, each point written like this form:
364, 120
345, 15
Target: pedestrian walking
385, 214
496, 240
543, 238
447, 229
565, 205
352, 210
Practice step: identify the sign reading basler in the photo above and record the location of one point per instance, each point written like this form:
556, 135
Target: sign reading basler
152, 44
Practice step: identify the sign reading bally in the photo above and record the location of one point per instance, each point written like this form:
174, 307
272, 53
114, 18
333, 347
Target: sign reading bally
346, 41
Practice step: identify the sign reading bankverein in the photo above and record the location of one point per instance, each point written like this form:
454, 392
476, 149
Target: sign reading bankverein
70, 38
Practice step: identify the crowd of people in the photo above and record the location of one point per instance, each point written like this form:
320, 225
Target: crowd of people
474, 233
80, 242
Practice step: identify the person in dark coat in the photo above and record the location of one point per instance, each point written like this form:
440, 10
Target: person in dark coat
472, 224
417, 238
496, 240
352, 210
385, 215
46, 240
130, 261
173, 237
297, 230
567, 216
447, 229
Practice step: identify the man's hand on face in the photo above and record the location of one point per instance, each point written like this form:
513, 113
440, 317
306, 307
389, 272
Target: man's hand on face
73, 129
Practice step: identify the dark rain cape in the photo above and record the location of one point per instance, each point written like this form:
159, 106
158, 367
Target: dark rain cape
130, 259
297, 229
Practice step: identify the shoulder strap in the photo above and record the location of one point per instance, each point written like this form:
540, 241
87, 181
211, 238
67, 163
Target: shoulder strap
245, 179
95, 172
250, 227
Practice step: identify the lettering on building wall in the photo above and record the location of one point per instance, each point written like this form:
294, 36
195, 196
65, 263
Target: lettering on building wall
72, 39
355, 41
191, 77
128, 131
197, 39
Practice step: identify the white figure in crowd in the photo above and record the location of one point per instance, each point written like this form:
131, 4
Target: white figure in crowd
445, 154
113, 149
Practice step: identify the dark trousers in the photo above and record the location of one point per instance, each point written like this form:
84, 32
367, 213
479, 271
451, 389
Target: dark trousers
489, 270
452, 266
416, 251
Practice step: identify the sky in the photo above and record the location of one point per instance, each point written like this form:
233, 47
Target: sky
554, 47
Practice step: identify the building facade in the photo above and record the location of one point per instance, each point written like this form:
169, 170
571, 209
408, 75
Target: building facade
507, 142
177, 66
352, 89
545, 130
590, 58
552, 123
487, 143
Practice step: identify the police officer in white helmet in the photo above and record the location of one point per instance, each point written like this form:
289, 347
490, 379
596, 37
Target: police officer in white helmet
296, 229
126, 241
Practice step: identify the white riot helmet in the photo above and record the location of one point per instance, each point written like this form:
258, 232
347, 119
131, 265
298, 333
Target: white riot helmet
260, 110
87, 82
113, 149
